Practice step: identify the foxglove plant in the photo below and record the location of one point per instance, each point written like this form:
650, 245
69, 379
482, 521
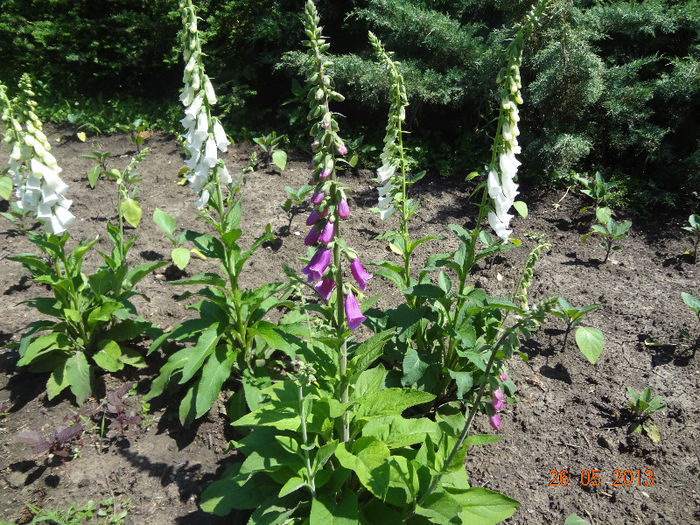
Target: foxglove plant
329, 200
231, 335
32, 168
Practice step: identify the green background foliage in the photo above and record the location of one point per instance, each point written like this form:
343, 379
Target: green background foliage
609, 85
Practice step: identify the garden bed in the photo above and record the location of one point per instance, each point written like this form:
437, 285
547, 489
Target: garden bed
569, 412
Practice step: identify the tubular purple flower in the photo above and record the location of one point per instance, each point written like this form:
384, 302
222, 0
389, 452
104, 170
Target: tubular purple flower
324, 174
352, 312
310, 166
317, 265
312, 236
317, 198
327, 233
495, 421
343, 209
504, 377
315, 144
359, 273
342, 149
315, 216
497, 399
325, 288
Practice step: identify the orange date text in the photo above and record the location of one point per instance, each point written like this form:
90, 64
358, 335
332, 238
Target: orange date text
594, 477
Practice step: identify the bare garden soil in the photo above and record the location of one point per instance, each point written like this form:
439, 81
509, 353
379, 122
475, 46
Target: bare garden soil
569, 413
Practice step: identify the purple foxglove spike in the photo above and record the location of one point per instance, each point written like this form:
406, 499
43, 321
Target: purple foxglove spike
317, 198
495, 421
343, 209
312, 236
352, 312
327, 233
359, 273
325, 288
317, 265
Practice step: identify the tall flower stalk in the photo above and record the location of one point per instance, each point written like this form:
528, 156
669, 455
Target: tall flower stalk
329, 201
32, 168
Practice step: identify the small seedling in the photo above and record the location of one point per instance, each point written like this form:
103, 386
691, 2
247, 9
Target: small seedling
589, 340
641, 407
59, 441
110, 511
694, 229
597, 189
116, 414
609, 229
296, 202
138, 132
269, 144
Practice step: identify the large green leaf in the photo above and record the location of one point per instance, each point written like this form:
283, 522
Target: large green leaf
590, 341
390, 401
135, 274
175, 363
216, 370
108, 358
209, 279
272, 336
344, 512
180, 257
131, 210
164, 221
279, 158
205, 345
692, 302
79, 375
5, 188
413, 367
57, 381
484, 507
369, 351
574, 519
236, 491
40, 346
397, 431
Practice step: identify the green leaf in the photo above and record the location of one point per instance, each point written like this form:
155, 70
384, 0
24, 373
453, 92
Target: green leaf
521, 208
164, 221
603, 214
692, 302
57, 381
81, 136
369, 381
369, 351
79, 375
131, 210
216, 370
391, 401
209, 279
272, 336
5, 188
481, 439
103, 313
279, 158
484, 507
93, 175
413, 367
42, 345
180, 257
397, 431
651, 430
236, 491
135, 274
345, 512
292, 484
464, 382
132, 358
205, 345
108, 358
353, 160
590, 341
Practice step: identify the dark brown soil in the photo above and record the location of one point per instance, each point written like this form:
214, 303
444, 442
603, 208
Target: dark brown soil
569, 412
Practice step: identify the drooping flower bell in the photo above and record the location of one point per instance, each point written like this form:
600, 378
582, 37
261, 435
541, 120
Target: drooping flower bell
495, 421
359, 273
317, 265
497, 399
352, 311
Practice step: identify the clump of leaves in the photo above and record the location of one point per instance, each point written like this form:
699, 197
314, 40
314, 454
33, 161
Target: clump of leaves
597, 189
589, 340
609, 229
641, 407
694, 229
296, 202
59, 441
110, 511
270, 145
115, 412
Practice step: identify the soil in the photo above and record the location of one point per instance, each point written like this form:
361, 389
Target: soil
569, 413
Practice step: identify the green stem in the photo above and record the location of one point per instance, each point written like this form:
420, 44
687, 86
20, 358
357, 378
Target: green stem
309, 471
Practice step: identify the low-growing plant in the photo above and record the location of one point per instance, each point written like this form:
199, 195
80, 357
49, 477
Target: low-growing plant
641, 408
296, 202
59, 441
589, 339
597, 189
94, 317
110, 511
694, 229
611, 231
270, 146
138, 132
115, 418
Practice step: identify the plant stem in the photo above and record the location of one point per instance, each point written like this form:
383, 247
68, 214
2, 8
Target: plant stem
309, 472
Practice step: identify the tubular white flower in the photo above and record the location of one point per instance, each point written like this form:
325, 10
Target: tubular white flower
220, 137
